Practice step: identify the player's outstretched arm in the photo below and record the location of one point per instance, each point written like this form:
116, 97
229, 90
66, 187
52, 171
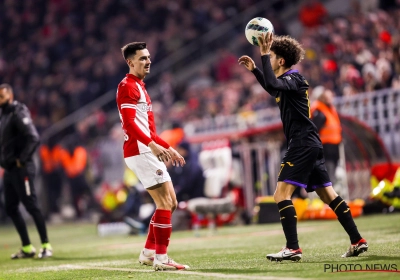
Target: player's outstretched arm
250, 65
247, 62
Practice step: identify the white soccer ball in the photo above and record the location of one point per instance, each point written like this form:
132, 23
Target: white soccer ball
256, 27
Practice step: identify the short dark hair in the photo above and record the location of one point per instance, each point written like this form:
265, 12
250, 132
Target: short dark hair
289, 49
130, 49
7, 87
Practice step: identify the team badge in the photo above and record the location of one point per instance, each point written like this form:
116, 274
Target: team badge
159, 172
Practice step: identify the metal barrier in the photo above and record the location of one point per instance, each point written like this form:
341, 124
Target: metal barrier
380, 110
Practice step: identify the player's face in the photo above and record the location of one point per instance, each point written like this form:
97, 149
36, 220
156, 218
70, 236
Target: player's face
140, 63
274, 62
5, 96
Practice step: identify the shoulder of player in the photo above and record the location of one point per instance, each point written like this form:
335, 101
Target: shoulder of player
19, 108
127, 86
21, 111
297, 77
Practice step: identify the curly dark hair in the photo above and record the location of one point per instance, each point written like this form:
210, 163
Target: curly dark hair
289, 49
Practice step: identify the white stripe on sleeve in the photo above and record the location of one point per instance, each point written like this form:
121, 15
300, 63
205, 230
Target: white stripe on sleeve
128, 106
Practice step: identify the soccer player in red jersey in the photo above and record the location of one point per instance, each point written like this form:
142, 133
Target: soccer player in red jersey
145, 153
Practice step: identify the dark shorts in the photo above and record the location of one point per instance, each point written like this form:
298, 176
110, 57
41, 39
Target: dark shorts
304, 167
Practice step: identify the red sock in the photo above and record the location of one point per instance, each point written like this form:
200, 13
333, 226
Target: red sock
151, 240
162, 228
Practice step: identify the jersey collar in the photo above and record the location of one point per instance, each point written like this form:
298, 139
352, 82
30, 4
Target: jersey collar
136, 79
289, 72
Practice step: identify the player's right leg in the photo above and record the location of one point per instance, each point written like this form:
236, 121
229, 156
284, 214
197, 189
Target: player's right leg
146, 256
296, 167
287, 212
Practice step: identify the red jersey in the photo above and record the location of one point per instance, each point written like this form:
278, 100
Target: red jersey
137, 119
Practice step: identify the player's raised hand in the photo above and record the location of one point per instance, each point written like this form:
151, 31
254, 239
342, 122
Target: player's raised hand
159, 151
176, 158
247, 62
265, 42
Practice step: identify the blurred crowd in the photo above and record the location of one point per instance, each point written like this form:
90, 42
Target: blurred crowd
355, 53
59, 55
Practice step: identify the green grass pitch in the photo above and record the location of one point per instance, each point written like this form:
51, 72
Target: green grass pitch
233, 252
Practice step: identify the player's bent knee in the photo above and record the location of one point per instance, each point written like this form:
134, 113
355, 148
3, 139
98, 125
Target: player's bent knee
327, 195
281, 196
166, 204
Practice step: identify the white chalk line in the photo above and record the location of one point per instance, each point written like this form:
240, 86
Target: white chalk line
93, 266
185, 272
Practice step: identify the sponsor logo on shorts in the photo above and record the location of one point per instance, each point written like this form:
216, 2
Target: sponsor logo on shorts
159, 172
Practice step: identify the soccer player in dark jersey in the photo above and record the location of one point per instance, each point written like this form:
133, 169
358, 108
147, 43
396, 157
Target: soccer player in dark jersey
303, 164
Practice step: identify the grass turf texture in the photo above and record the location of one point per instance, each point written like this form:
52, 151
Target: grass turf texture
233, 252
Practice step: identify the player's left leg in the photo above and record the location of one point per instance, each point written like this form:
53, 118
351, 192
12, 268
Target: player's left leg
339, 206
11, 207
165, 200
320, 181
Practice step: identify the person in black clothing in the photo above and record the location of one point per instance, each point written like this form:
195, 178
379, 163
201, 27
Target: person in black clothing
303, 165
18, 141
189, 179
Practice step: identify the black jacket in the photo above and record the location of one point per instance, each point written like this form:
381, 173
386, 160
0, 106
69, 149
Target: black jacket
18, 136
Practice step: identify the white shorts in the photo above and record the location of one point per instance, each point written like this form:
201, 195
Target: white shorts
148, 169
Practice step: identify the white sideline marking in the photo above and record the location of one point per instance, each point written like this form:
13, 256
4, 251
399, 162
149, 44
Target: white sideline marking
207, 274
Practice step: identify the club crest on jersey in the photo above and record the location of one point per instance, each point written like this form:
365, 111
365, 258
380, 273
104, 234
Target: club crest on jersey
159, 172
144, 107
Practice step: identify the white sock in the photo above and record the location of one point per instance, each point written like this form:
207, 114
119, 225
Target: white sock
148, 252
162, 257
